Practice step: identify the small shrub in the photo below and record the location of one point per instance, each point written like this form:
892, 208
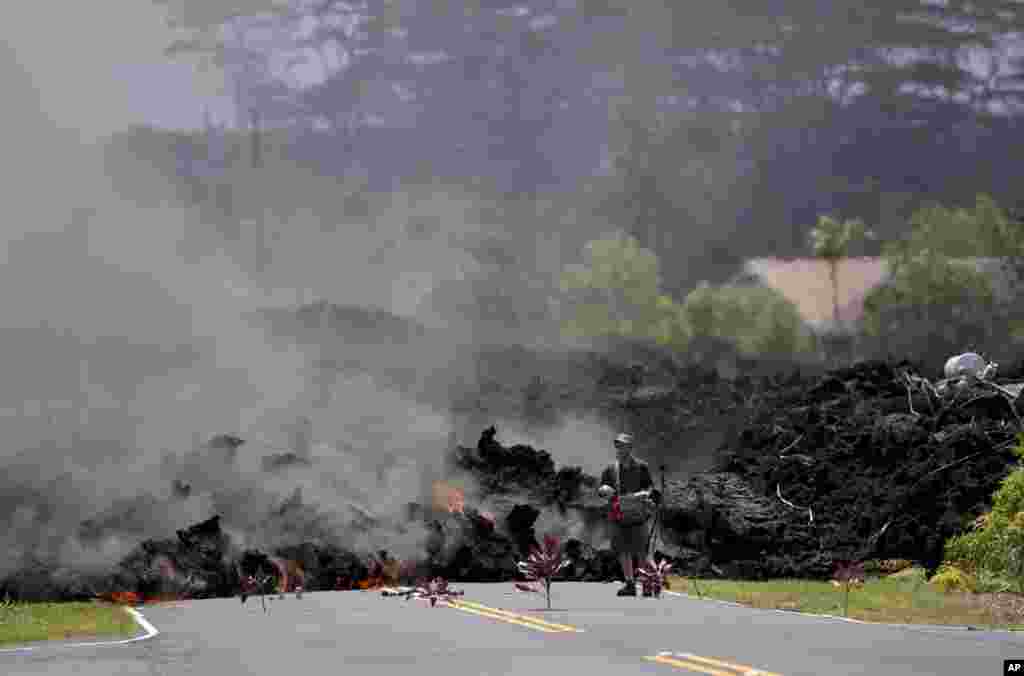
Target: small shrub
755, 320
654, 577
951, 577
433, 591
996, 542
990, 583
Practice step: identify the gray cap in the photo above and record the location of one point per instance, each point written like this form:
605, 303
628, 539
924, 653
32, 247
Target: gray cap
624, 439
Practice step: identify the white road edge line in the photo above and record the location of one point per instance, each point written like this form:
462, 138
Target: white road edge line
918, 627
795, 612
151, 631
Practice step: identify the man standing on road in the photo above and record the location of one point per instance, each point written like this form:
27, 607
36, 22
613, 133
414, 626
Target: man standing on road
628, 485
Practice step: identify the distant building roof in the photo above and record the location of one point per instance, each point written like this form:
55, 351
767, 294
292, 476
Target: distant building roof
806, 282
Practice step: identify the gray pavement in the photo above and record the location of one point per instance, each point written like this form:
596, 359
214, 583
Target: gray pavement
365, 633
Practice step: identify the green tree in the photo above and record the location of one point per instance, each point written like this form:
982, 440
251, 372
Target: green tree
984, 231
930, 297
615, 292
757, 321
965, 235
948, 279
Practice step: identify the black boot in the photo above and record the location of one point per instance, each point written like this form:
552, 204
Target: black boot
629, 589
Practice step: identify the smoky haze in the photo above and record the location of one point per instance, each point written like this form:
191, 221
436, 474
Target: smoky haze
380, 279
136, 330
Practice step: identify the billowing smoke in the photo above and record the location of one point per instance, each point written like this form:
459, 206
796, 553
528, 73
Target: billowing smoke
134, 333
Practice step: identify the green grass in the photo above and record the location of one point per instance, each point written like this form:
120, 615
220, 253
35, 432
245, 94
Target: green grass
29, 622
906, 598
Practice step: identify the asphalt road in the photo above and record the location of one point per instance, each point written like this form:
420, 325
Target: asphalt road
494, 631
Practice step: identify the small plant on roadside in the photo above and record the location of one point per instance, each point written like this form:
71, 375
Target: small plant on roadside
264, 581
433, 591
654, 577
541, 567
952, 577
251, 585
848, 574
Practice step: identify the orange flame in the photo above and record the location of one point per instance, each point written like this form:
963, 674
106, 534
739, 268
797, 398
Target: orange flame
370, 583
383, 573
449, 497
129, 598
125, 598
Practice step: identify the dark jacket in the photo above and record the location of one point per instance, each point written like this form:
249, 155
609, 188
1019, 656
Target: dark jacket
634, 478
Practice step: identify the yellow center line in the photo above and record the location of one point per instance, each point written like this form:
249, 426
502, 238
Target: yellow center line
691, 661
527, 618
689, 665
503, 618
743, 669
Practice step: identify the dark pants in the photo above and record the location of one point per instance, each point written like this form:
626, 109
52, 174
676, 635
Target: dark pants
630, 540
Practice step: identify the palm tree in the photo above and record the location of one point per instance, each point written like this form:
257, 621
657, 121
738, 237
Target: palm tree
830, 240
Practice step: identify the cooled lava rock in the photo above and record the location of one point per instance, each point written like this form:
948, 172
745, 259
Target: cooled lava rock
889, 467
504, 468
723, 521
864, 461
522, 469
465, 546
324, 564
870, 461
589, 564
520, 527
194, 566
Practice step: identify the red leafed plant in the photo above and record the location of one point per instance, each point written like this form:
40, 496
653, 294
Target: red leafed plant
434, 590
256, 584
541, 567
848, 574
653, 577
